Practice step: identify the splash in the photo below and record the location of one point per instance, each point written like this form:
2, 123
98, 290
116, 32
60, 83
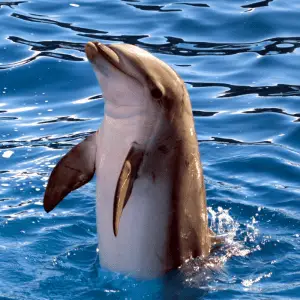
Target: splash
239, 239
250, 282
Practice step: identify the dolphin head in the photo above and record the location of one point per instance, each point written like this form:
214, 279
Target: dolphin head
131, 77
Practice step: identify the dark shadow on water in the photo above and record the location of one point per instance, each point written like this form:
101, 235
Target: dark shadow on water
11, 4
60, 56
200, 113
52, 142
273, 110
8, 118
178, 46
63, 119
47, 45
158, 8
257, 4
195, 4
57, 23
162, 8
173, 45
234, 142
279, 90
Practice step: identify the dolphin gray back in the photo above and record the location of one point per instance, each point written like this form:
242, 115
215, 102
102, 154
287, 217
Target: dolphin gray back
189, 234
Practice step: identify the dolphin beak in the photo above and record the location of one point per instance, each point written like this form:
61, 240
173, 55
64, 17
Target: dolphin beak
96, 50
91, 51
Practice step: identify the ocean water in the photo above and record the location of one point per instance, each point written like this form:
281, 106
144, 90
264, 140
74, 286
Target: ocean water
240, 60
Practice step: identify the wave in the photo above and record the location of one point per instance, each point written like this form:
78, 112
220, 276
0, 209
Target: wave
11, 4
280, 90
258, 4
173, 45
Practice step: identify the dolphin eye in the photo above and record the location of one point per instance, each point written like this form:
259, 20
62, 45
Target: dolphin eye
156, 93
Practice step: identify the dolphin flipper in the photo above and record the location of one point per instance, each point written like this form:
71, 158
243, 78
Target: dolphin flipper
125, 183
75, 169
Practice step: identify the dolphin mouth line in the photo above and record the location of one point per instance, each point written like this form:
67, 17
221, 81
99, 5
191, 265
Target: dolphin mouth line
94, 49
103, 50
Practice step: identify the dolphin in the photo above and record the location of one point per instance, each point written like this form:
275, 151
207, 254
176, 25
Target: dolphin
151, 201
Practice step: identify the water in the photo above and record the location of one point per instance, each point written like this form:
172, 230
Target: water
240, 61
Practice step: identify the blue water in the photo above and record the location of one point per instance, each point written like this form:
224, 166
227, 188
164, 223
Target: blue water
240, 61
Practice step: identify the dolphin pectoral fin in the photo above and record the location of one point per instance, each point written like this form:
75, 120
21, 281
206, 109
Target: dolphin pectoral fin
75, 169
125, 183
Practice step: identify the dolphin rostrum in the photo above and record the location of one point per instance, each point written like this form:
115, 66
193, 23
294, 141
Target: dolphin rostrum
151, 202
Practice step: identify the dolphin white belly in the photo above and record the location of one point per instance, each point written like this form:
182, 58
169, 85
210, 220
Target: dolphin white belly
139, 248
